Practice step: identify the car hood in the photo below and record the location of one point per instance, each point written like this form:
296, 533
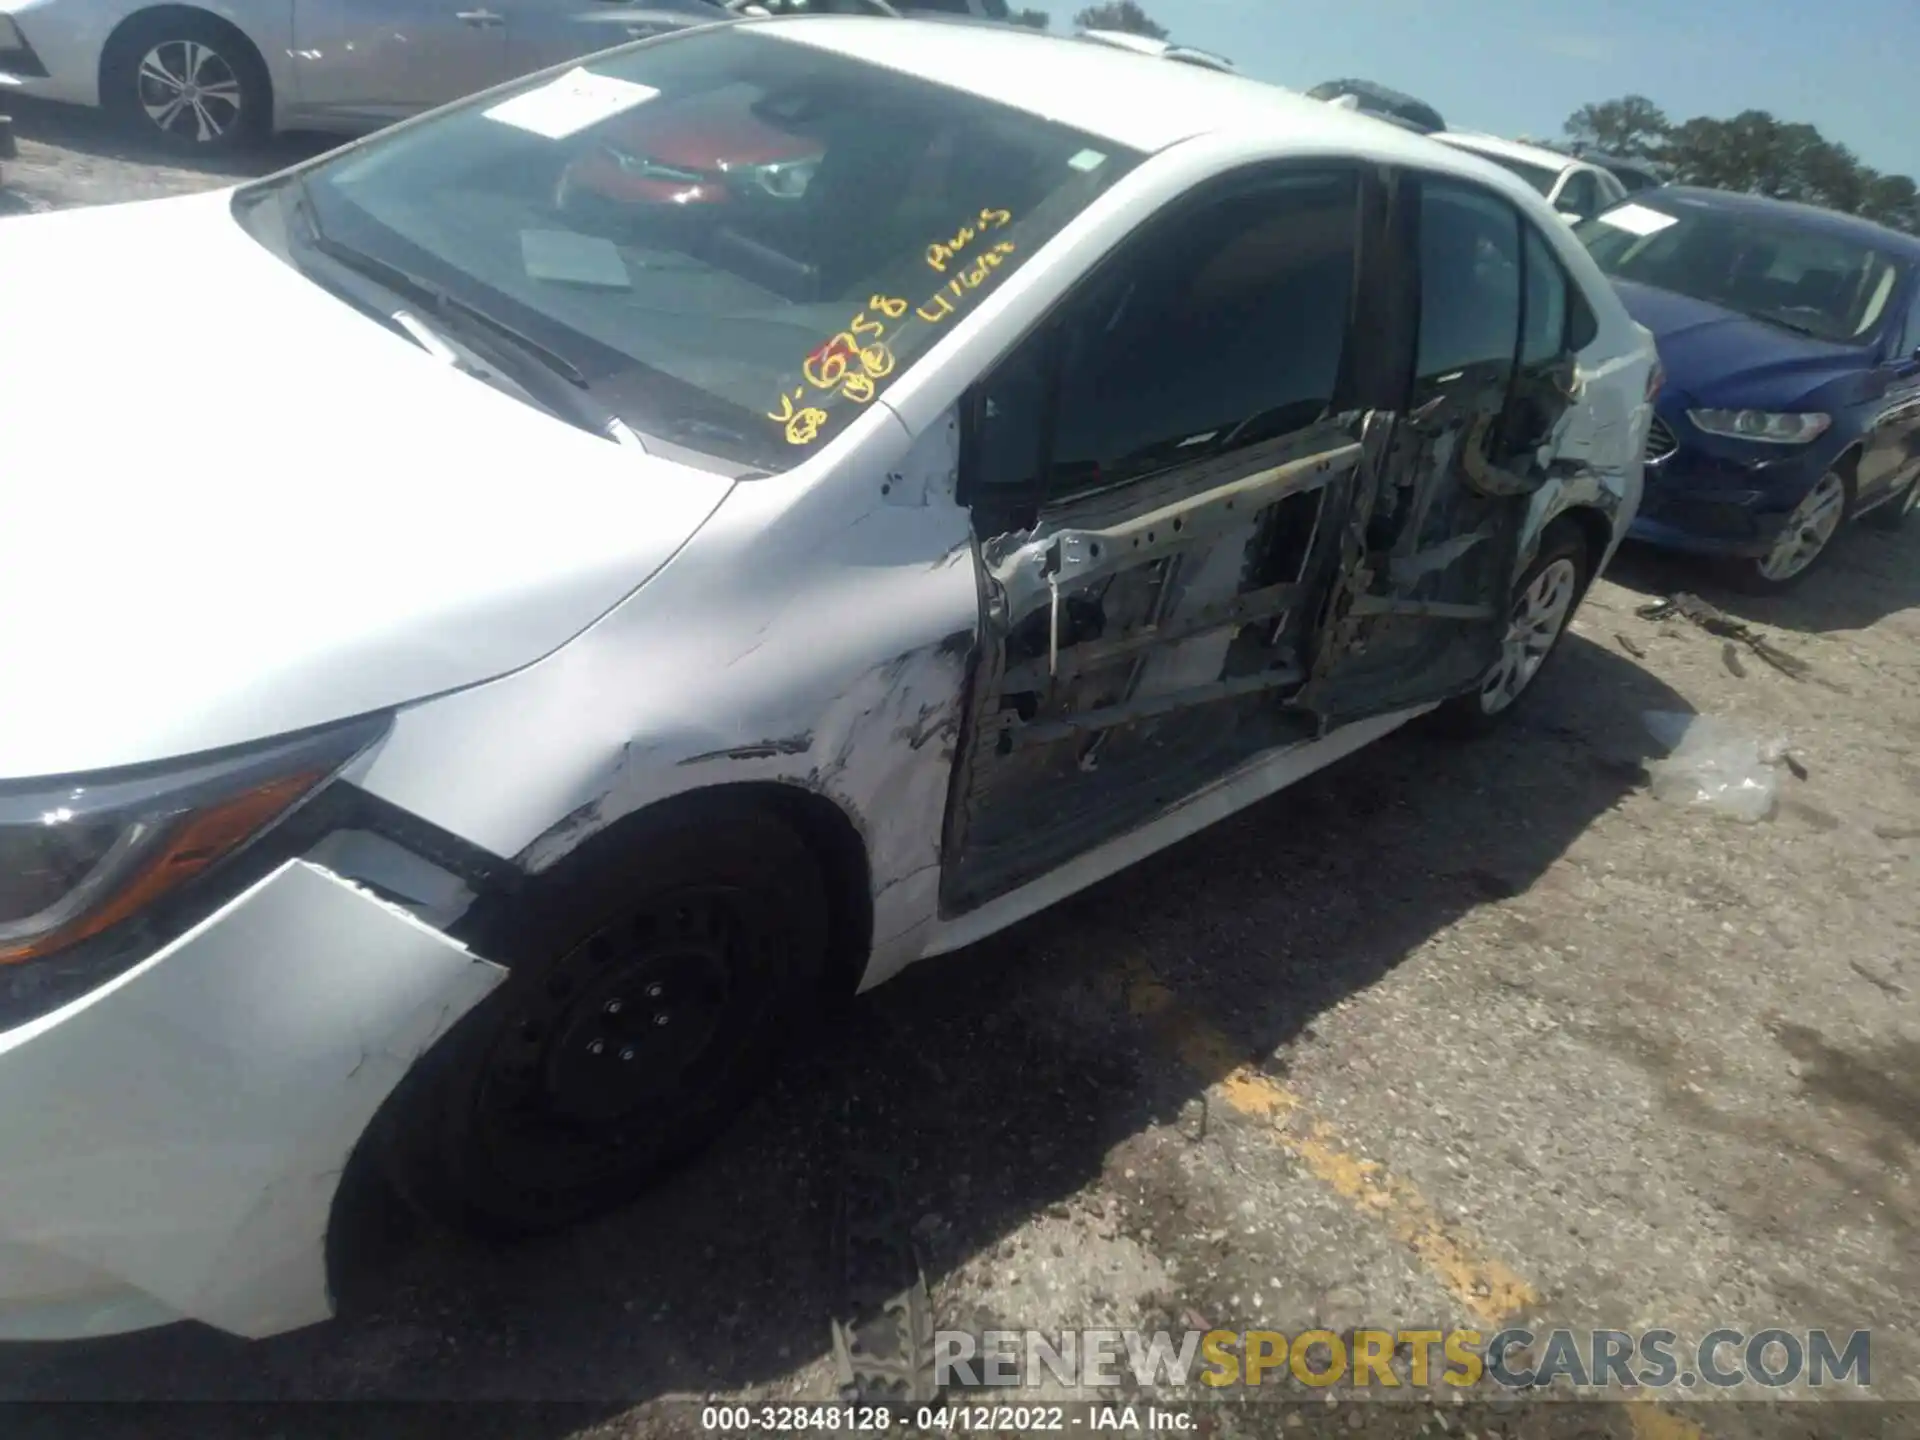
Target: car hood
235, 507
1719, 357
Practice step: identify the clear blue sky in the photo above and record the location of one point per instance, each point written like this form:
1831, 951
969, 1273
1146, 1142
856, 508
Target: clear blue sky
1850, 67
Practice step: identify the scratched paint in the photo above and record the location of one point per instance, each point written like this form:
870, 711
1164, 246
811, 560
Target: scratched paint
1489, 1290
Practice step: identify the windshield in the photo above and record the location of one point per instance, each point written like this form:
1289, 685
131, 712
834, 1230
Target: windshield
1632, 180
1788, 275
737, 241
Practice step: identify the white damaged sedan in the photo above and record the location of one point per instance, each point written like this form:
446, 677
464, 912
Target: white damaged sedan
531, 601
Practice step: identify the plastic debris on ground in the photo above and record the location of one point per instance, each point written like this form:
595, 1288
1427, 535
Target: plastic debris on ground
1724, 765
1717, 622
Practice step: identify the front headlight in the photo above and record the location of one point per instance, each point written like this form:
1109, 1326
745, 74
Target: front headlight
1773, 427
786, 179
80, 854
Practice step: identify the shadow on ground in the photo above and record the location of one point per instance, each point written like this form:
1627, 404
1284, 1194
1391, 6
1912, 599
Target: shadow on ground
1869, 575
992, 1109
93, 133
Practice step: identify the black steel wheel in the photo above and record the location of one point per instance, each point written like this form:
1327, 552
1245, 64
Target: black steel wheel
654, 983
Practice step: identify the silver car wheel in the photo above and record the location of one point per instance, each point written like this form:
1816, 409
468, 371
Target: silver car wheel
1539, 614
189, 89
1813, 523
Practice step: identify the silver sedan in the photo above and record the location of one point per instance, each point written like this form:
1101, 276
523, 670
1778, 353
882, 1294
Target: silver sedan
204, 78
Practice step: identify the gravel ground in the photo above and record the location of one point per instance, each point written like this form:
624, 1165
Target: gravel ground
1475, 1035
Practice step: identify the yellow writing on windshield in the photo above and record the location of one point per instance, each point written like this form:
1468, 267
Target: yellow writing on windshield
803, 425
848, 363
939, 305
943, 253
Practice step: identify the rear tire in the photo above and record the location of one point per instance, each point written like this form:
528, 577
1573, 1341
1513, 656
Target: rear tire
1542, 604
188, 82
652, 984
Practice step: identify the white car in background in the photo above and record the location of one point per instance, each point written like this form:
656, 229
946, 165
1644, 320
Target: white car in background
577, 642
1576, 189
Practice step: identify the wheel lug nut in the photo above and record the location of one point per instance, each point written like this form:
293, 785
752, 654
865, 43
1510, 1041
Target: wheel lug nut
612, 1007
661, 1018
656, 990
594, 1047
626, 1052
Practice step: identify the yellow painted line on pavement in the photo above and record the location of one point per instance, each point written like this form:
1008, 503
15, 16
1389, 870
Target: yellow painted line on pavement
1490, 1291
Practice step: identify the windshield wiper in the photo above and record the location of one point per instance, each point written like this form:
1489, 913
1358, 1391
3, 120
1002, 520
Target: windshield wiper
425, 293
1785, 324
570, 404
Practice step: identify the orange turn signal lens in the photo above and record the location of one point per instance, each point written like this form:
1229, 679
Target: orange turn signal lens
196, 841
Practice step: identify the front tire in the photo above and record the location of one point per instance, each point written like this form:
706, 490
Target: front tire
652, 984
1543, 601
1805, 541
187, 82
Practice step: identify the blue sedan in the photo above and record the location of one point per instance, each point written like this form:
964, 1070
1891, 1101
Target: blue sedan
1791, 341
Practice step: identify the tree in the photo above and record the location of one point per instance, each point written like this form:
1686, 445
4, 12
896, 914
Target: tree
1752, 151
1631, 125
1893, 200
1120, 15
1033, 19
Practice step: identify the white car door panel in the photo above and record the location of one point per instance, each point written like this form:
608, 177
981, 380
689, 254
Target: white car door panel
1147, 474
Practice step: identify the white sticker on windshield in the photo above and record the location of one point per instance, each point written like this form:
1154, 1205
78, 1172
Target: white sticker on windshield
570, 104
1087, 160
1637, 220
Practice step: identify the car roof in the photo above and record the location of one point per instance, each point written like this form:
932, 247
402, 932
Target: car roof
1135, 100
1811, 217
1163, 49
1539, 155
1639, 164
1376, 98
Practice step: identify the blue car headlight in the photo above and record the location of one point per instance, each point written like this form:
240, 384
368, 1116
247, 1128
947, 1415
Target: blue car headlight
1768, 426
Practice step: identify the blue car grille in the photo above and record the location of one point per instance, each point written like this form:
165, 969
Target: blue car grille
1660, 441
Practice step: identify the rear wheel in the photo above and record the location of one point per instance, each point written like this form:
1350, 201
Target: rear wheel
646, 1003
1544, 599
187, 81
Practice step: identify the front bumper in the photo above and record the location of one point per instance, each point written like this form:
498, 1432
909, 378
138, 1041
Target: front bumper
1710, 504
170, 1144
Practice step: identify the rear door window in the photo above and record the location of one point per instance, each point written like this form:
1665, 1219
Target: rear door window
1470, 286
